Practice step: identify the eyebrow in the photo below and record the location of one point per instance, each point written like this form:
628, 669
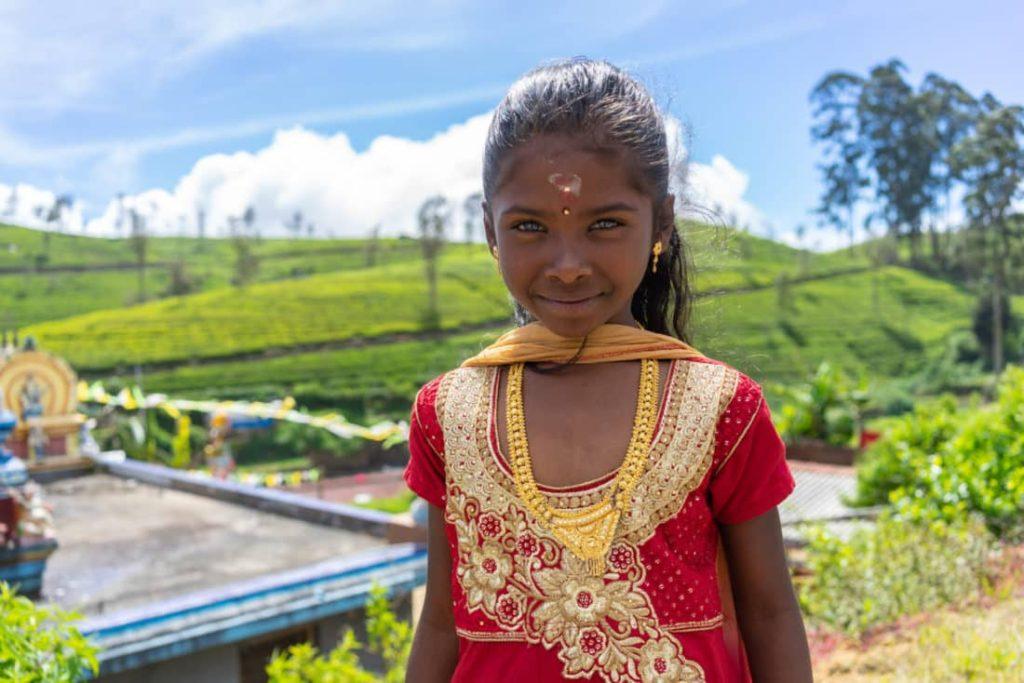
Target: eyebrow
607, 208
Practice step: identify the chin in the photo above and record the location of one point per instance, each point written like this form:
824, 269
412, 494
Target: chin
577, 320
574, 326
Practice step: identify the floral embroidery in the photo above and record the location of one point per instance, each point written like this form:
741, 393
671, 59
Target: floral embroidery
490, 525
484, 574
517, 575
598, 624
620, 557
659, 663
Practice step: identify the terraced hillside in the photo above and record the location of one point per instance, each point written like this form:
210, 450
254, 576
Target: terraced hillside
49, 278
354, 336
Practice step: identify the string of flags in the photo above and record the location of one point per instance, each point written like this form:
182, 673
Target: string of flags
266, 479
244, 414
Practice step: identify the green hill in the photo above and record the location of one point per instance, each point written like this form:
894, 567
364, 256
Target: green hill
352, 337
65, 275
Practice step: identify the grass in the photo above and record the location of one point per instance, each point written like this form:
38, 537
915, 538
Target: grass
324, 308
328, 377
274, 466
392, 505
744, 329
299, 328
975, 645
31, 297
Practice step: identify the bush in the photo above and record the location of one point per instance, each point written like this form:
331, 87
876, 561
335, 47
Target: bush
938, 463
388, 637
39, 644
827, 408
896, 460
894, 568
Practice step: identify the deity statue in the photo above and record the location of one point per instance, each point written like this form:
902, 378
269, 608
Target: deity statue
31, 398
218, 451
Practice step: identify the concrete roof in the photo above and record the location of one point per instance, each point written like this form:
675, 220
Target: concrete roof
123, 543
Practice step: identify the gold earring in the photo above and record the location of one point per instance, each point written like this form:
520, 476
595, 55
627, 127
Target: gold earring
657, 253
494, 250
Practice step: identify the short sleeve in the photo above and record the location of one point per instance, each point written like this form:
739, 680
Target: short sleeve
752, 475
424, 474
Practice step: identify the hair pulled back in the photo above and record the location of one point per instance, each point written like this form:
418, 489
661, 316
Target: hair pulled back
608, 107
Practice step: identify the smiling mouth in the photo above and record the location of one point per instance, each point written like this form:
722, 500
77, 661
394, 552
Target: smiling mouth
569, 302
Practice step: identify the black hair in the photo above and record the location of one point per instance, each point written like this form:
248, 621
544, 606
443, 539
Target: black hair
614, 111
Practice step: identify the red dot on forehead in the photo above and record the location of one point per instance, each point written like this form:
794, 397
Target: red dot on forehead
568, 185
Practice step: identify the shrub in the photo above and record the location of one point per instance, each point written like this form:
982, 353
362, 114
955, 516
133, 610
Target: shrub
896, 460
938, 463
826, 408
388, 638
893, 568
40, 644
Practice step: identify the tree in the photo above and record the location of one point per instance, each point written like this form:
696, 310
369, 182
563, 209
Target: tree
121, 214
433, 218
879, 133
139, 241
835, 99
181, 281
249, 219
473, 212
12, 202
200, 221
900, 150
372, 246
952, 112
247, 264
55, 214
294, 225
990, 161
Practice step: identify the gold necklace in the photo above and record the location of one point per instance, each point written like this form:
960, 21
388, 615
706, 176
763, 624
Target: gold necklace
587, 531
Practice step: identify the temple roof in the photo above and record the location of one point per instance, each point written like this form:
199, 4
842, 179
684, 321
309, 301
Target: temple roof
123, 543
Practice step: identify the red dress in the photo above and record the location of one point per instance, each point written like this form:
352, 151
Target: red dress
525, 608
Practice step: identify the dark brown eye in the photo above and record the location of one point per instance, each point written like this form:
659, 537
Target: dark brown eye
606, 224
527, 226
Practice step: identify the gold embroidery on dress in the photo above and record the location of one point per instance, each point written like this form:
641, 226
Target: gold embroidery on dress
516, 574
691, 626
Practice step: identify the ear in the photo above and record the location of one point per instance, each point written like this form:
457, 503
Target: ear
492, 239
666, 220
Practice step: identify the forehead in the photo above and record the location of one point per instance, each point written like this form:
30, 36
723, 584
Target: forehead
528, 168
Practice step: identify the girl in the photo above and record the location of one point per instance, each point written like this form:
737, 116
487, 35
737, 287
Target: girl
590, 474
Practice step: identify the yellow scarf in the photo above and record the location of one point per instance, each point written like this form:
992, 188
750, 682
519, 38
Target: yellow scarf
609, 342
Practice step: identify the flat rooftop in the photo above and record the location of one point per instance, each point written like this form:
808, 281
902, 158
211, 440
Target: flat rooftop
123, 543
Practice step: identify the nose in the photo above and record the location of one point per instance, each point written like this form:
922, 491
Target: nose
569, 262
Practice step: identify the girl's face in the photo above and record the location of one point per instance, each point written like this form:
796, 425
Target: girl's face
573, 233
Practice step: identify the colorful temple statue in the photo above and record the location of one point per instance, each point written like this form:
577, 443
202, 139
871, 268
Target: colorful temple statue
12, 474
218, 451
40, 390
26, 522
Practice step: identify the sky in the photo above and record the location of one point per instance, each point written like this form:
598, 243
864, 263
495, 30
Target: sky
354, 113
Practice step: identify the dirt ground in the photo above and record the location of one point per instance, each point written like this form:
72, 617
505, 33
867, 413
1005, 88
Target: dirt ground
979, 645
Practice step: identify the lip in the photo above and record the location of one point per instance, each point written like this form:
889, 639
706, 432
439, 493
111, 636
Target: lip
569, 304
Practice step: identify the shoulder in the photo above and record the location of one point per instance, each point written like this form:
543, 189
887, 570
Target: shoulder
431, 398
424, 407
738, 389
741, 403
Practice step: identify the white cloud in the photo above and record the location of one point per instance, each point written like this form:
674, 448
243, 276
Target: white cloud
720, 187
346, 193
25, 204
339, 190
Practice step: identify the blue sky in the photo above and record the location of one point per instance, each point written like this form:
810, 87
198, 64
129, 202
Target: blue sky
99, 98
